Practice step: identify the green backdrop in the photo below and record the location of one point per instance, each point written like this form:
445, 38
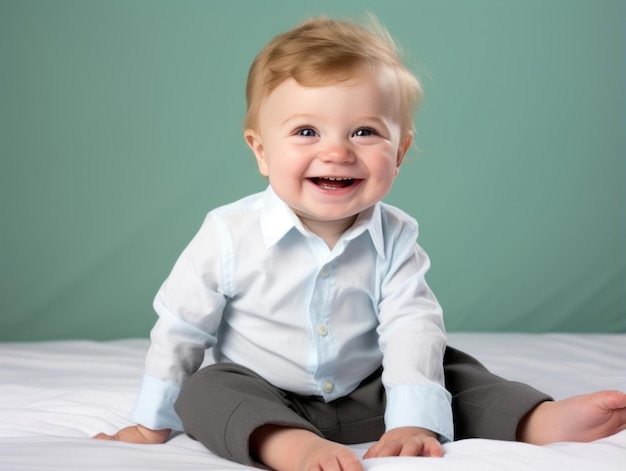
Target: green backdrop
121, 127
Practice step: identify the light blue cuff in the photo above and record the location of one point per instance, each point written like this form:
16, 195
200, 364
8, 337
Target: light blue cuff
155, 405
421, 405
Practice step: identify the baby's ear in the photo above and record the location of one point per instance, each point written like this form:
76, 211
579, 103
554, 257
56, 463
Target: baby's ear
403, 148
256, 144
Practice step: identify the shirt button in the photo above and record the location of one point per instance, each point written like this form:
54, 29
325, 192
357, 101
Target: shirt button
325, 271
329, 386
322, 330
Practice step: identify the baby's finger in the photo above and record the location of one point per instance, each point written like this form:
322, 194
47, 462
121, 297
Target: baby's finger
432, 448
422, 446
383, 450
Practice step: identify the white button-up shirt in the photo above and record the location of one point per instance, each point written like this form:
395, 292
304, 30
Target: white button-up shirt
264, 292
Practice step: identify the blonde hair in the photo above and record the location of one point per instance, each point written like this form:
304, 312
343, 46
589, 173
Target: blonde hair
324, 51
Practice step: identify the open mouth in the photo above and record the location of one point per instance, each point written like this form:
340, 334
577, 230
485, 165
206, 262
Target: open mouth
332, 183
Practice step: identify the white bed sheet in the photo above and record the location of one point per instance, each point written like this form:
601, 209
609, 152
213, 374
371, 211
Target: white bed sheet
55, 395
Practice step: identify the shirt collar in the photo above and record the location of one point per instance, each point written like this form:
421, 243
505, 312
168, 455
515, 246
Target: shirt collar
277, 219
369, 220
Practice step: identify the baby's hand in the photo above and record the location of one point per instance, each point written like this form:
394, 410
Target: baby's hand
137, 434
406, 441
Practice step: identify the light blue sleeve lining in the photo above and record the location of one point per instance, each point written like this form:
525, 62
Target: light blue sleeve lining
154, 408
422, 405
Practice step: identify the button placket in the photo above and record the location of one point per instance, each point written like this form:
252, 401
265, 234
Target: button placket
322, 328
320, 311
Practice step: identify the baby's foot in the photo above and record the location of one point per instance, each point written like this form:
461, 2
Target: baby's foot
288, 449
576, 419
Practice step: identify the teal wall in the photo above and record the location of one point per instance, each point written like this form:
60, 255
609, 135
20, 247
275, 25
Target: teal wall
121, 127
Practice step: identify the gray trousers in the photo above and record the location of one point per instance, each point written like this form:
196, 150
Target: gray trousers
221, 405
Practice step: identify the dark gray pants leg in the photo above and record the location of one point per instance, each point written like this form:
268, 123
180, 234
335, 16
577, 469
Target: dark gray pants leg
485, 405
221, 405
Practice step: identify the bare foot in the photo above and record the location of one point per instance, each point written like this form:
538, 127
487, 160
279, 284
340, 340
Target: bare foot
283, 448
576, 419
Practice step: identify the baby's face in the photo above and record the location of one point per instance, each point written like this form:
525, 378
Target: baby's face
332, 151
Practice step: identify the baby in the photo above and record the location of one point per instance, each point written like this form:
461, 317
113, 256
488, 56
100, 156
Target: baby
312, 294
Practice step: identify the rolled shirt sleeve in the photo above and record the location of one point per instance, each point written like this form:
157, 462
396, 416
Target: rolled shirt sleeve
422, 405
155, 405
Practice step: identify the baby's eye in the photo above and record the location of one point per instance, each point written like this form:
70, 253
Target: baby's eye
306, 132
364, 132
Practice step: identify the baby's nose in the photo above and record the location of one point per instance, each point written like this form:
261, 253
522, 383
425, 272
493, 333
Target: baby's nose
337, 152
